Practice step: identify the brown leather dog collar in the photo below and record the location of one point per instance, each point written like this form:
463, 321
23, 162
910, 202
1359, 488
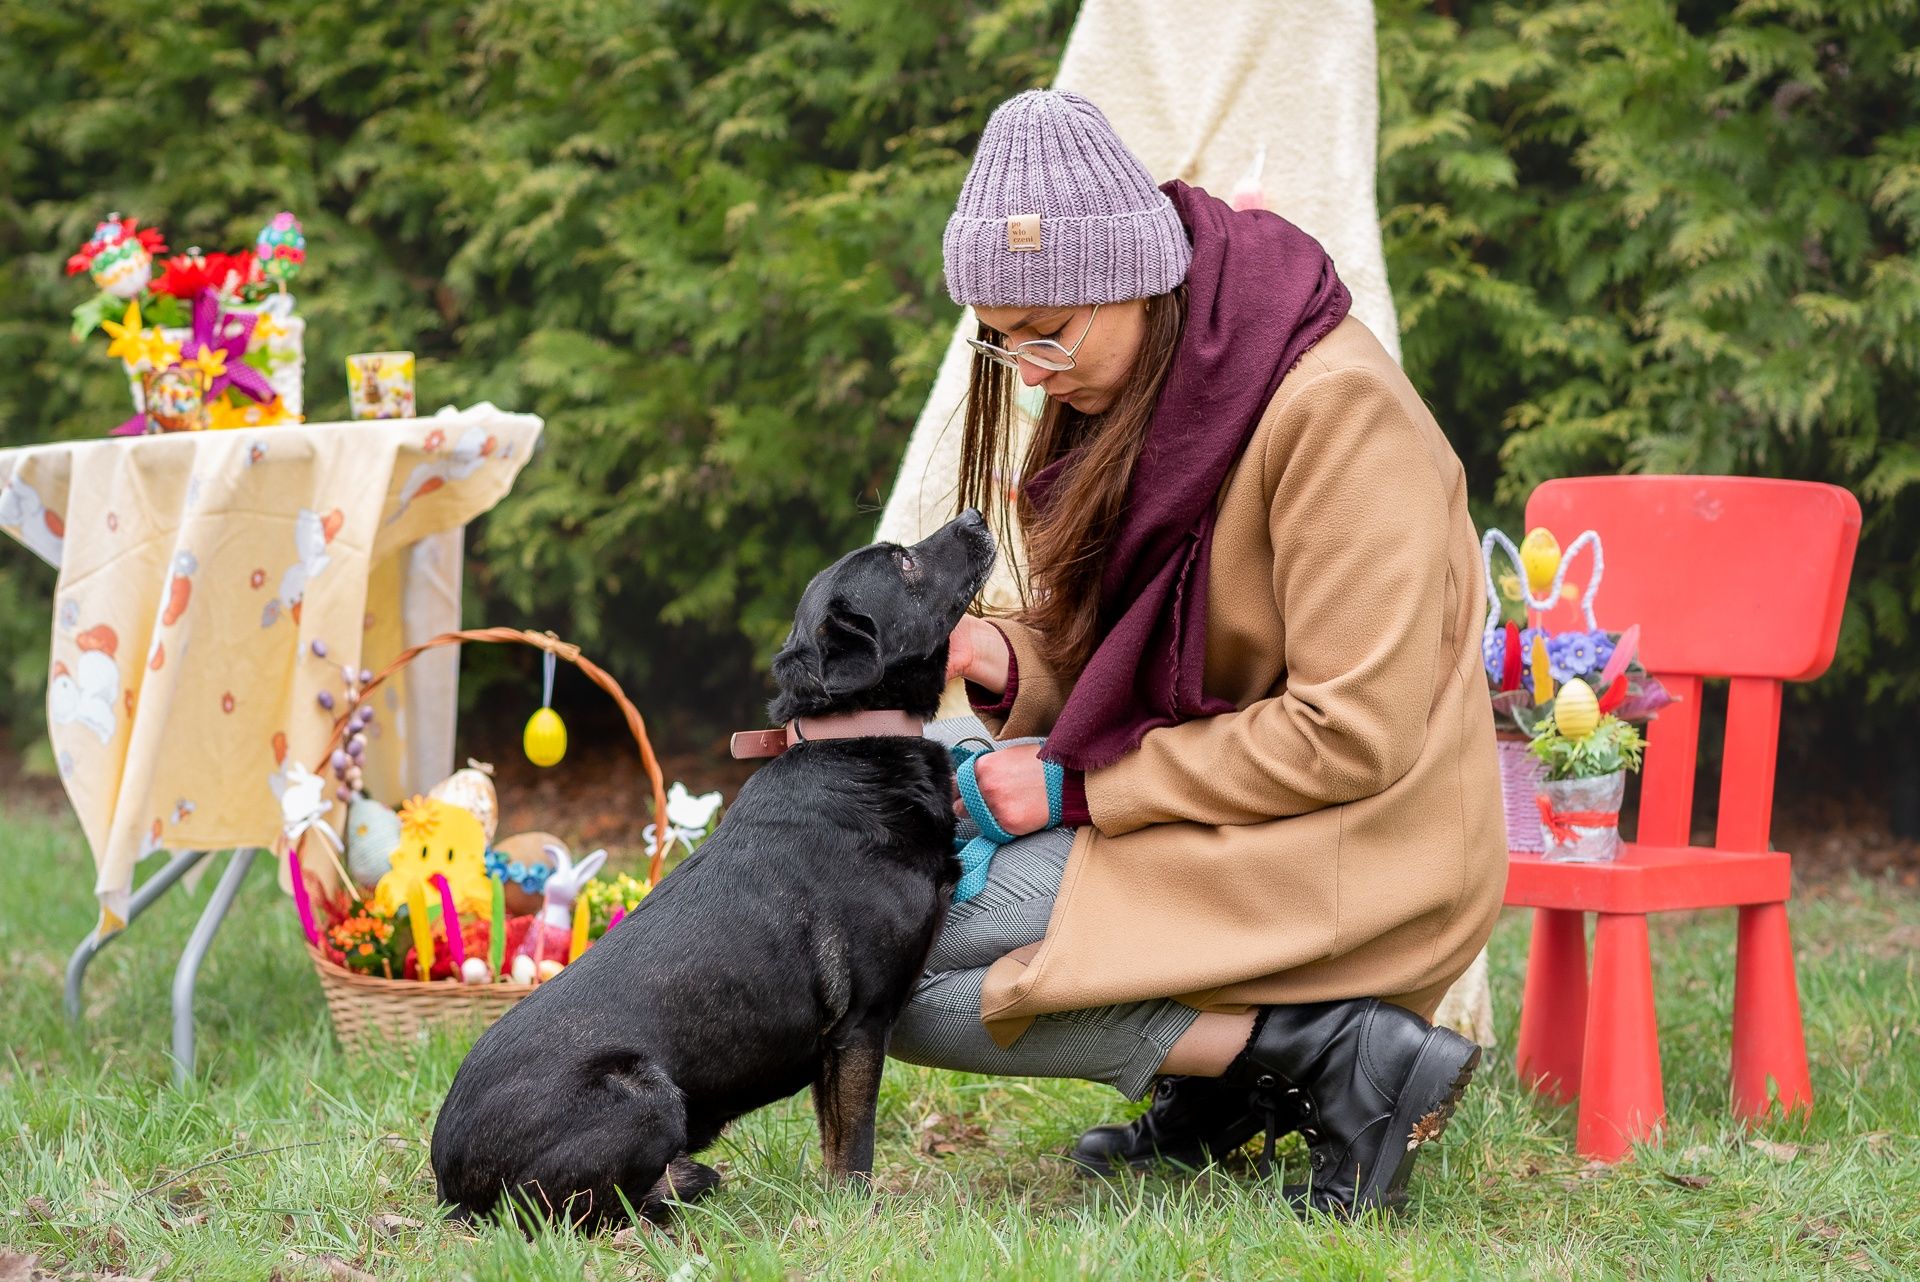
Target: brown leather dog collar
747, 744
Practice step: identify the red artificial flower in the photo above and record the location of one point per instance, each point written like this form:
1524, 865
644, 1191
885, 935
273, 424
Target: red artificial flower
187, 274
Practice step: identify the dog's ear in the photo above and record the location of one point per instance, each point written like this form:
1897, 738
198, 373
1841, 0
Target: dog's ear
849, 651
841, 655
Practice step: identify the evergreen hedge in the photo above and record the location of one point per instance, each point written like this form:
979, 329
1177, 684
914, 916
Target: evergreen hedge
702, 240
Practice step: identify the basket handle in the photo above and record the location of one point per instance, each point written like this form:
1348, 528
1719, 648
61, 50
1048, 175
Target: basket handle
559, 649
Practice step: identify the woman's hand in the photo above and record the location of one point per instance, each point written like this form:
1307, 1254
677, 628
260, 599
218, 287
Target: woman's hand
1014, 785
977, 652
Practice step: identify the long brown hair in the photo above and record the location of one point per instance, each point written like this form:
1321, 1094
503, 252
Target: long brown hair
1065, 548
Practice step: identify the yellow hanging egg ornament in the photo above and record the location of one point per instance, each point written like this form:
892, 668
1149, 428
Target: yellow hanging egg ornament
545, 738
1540, 557
1576, 710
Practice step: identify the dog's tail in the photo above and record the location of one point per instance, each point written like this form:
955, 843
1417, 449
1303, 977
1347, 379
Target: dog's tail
582, 1150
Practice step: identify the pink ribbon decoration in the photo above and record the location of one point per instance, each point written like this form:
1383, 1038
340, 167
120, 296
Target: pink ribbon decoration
456, 945
302, 904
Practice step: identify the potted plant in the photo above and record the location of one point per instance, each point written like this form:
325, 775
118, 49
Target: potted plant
1586, 754
1526, 662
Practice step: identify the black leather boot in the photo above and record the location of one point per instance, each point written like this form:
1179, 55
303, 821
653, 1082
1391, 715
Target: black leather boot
1192, 1122
1372, 1081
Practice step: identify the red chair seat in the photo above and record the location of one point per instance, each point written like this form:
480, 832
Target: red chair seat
1651, 879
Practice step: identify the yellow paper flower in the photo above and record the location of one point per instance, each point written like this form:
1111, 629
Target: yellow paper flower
128, 344
211, 362
266, 328
223, 415
158, 350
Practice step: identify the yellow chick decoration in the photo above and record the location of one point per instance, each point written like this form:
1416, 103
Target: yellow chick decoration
1576, 709
1540, 557
438, 837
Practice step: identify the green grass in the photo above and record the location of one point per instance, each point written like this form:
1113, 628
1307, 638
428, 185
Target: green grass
286, 1159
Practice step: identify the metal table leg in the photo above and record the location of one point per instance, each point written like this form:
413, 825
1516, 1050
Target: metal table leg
154, 887
188, 970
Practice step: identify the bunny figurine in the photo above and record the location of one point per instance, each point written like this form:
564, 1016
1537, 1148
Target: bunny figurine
551, 934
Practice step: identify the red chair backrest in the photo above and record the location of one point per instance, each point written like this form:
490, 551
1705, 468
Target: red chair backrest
1727, 576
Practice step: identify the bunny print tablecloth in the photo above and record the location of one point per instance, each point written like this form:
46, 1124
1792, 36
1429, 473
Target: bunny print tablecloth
212, 585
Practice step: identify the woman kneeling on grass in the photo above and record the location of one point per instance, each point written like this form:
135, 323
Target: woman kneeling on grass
1252, 647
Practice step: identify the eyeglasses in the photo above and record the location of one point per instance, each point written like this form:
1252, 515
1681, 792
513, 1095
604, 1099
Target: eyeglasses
1043, 352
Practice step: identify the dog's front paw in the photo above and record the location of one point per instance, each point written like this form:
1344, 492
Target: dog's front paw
684, 1181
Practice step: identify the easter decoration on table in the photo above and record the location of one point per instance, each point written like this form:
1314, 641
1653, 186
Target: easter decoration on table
555, 934
545, 738
281, 249
1543, 680
207, 340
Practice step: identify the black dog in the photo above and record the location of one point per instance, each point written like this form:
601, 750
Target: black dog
777, 956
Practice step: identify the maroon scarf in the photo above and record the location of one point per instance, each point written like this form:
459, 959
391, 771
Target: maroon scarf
1259, 294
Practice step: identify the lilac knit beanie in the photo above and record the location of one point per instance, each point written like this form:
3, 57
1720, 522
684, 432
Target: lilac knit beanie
1056, 212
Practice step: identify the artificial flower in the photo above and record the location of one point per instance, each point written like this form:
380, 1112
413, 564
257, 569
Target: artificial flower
158, 350
190, 273
210, 361
129, 343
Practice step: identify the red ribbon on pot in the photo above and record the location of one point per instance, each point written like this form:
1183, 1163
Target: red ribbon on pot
1560, 823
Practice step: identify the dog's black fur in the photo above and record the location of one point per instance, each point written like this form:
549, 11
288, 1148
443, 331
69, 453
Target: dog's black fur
777, 956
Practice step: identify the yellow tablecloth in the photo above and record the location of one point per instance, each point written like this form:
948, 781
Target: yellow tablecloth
197, 570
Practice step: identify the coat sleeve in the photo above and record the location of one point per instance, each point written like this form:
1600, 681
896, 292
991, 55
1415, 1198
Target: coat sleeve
1360, 529
1037, 693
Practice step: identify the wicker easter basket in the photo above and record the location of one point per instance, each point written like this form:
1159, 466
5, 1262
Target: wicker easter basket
369, 1008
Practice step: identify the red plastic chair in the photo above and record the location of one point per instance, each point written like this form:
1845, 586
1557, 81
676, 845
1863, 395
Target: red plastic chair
1735, 577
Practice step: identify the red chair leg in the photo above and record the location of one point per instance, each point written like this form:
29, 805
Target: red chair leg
1621, 1097
1769, 1042
1553, 1009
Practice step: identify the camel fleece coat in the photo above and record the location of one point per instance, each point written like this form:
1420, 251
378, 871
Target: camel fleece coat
1341, 834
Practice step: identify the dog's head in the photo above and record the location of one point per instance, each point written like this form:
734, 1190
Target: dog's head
872, 628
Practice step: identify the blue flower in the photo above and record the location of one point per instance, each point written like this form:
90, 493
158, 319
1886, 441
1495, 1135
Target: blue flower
1577, 655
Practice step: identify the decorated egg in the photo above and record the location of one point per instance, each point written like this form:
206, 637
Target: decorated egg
1576, 712
281, 248
437, 837
523, 969
545, 739
472, 789
1540, 557
526, 863
474, 971
546, 969
175, 400
373, 831
123, 269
